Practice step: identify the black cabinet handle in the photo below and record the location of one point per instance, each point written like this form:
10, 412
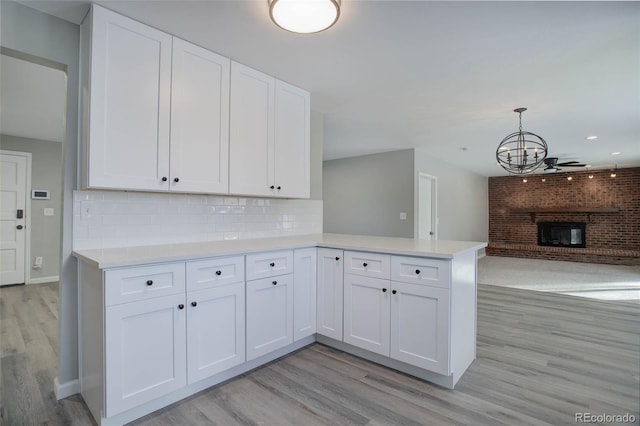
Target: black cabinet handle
194, 304
384, 290
337, 258
394, 291
274, 282
272, 264
364, 264
417, 271
176, 180
19, 227
272, 187
279, 188
149, 282
181, 306
218, 272
164, 178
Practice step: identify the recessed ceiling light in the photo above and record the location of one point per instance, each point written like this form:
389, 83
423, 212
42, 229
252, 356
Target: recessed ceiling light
615, 153
590, 138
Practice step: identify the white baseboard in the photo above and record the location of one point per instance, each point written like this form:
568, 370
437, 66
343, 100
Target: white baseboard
64, 390
42, 280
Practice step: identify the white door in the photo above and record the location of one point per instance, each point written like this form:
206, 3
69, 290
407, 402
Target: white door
420, 326
130, 104
145, 351
199, 120
304, 293
330, 293
251, 132
13, 187
366, 313
427, 207
292, 141
215, 330
269, 315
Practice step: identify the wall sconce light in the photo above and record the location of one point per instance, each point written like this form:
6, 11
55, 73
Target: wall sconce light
543, 179
614, 172
524, 180
569, 177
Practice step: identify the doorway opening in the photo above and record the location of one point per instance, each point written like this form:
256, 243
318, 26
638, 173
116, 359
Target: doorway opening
427, 207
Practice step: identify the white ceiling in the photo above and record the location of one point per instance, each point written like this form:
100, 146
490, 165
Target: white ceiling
440, 76
32, 100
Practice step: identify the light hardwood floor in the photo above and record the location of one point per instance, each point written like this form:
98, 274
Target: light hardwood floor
541, 358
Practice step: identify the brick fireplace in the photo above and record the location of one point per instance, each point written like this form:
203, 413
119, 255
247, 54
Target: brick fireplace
608, 207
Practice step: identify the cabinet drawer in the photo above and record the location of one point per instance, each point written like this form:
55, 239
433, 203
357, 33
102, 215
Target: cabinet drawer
143, 282
264, 265
416, 270
367, 264
215, 272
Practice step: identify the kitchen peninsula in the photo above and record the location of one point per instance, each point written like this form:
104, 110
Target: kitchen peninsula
160, 323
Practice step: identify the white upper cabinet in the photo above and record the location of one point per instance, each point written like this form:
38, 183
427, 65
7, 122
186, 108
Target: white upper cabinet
129, 108
158, 110
199, 120
270, 136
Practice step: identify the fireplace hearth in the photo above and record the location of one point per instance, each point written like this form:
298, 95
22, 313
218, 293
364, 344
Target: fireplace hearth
562, 234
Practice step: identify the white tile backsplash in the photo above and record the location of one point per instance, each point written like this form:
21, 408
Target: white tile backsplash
106, 219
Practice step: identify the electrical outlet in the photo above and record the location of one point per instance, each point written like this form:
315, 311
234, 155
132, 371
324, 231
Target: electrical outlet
403, 216
86, 208
38, 261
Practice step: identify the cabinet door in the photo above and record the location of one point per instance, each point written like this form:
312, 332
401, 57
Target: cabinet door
130, 90
292, 141
215, 330
420, 326
366, 313
269, 315
199, 120
144, 351
330, 293
304, 293
251, 132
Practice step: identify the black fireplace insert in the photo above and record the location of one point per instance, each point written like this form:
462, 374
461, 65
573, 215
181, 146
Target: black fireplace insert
562, 234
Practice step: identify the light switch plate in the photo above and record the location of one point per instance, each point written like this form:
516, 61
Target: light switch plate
403, 216
48, 211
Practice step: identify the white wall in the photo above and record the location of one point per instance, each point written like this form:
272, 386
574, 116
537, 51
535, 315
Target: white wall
463, 201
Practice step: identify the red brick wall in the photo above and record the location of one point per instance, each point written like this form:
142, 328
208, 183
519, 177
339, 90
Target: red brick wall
619, 231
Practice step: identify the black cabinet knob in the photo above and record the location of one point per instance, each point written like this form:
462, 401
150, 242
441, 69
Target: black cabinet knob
149, 282
19, 227
384, 290
274, 282
272, 187
394, 291
272, 264
164, 178
181, 306
364, 264
194, 304
417, 271
218, 272
279, 188
176, 180
337, 258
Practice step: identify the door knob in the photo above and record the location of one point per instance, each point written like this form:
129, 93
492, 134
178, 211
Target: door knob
19, 226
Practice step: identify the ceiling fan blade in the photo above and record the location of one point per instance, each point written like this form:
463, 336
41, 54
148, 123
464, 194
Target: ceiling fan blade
571, 165
569, 162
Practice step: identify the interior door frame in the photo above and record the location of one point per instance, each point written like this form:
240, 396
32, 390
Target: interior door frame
420, 176
27, 213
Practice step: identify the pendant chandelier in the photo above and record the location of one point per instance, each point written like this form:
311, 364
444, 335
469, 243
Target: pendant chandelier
521, 152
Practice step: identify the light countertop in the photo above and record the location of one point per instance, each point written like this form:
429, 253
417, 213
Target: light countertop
130, 256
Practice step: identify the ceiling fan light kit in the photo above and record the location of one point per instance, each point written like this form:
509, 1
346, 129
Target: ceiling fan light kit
304, 16
521, 152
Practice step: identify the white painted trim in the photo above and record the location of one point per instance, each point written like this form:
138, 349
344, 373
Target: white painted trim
482, 253
64, 390
42, 280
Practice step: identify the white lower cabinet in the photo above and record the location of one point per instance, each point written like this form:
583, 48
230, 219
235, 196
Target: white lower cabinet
269, 315
215, 330
330, 292
420, 326
366, 313
304, 293
144, 351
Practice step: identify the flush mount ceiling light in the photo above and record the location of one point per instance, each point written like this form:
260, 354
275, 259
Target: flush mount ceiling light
304, 16
521, 152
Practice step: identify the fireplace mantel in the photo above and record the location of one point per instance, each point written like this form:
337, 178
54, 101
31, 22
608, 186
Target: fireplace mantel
569, 209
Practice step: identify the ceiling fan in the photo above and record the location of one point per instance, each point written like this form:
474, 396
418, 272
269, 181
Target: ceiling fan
552, 164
